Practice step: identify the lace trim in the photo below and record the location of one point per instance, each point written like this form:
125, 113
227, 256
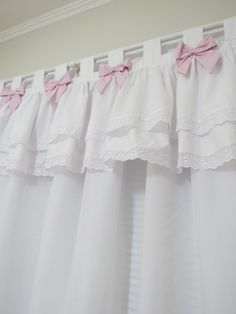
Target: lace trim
188, 160
96, 163
44, 164
161, 157
121, 125
98, 135
204, 125
54, 136
45, 168
65, 131
36, 147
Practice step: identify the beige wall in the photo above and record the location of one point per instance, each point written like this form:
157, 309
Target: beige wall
113, 25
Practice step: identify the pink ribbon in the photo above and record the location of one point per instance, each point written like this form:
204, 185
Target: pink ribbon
106, 73
55, 88
206, 54
13, 98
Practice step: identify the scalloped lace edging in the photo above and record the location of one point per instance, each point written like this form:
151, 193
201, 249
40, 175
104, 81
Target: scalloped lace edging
65, 131
161, 121
55, 136
160, 117
188, 160
162, 157
206, 124
47, 168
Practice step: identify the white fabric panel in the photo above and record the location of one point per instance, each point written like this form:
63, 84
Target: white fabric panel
214, 203
22, 210
57, 244
94, 268
168, 265
139, 240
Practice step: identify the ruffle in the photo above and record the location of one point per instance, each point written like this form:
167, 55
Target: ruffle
209, 122
158, 116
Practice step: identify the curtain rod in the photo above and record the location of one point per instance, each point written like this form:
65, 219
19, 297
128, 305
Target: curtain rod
166, 40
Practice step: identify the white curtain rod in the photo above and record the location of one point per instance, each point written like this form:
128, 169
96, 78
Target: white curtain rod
166, 40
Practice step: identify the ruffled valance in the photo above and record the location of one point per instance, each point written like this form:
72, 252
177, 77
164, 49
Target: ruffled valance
158, 115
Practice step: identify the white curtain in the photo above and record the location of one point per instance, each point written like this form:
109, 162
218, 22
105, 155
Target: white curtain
138, 240
122, 202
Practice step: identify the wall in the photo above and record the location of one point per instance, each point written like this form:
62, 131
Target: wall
113, 25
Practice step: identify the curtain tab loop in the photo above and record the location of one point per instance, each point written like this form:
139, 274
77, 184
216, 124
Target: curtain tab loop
193, 36
16, 82
86, 67
152, 51
60, 70
1, 85
230, 28
38, 80
115, 57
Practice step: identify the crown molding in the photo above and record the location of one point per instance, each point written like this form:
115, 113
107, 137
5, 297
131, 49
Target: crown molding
50, 18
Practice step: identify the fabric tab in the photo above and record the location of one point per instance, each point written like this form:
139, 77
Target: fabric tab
1, 85
38, 80
86, 67
60, 70
116, 57
230, 28
16, 82
193, 36
152, 51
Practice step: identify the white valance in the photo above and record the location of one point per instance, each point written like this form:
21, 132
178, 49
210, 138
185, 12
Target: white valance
158, 115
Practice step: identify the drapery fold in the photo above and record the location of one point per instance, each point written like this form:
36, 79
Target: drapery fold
122, 202
139, 239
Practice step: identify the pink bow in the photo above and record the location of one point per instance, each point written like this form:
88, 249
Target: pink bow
106, 73
206, 54
55, 88
13, 98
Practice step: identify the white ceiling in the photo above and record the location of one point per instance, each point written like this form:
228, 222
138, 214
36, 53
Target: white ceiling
14, 12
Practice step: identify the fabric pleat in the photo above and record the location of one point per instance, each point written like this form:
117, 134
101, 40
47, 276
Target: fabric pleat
214, 207
136, 240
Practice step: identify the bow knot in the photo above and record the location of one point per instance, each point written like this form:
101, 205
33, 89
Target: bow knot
13, 98
205, 53
55, 88
106, 74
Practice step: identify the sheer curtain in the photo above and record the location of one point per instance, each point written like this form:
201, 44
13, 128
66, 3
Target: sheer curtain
122, 200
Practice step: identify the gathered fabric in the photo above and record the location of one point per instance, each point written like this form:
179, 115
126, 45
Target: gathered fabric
142, 109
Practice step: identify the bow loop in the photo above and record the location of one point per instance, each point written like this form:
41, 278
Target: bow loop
106, 73
206, 54
105, 70
13, 98
55, 88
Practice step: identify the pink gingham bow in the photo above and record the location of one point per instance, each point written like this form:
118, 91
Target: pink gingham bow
55, 88
206, 54
106, 73
13, 98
